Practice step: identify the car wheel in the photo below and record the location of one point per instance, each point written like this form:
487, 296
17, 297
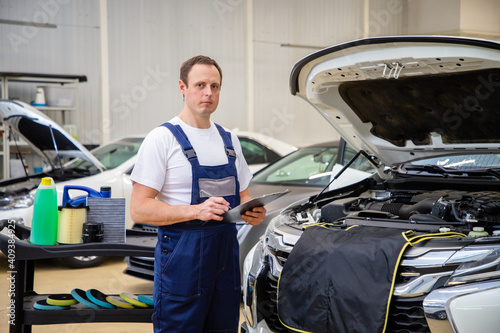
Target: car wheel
82, 261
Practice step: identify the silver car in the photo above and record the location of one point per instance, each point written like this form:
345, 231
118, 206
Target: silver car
303, 172
425, 112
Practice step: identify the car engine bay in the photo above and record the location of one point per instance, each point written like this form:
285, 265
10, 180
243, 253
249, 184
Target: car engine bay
425, 210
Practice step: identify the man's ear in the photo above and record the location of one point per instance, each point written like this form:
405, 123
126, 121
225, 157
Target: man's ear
182, 87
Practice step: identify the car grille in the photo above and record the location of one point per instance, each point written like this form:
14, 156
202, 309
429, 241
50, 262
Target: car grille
140, 267
145, 227
267, 305
406, 315
141, 262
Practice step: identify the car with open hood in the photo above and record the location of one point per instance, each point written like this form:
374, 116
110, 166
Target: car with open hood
66, 161
416, 246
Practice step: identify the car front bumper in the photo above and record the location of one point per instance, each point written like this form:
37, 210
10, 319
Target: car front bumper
466, 308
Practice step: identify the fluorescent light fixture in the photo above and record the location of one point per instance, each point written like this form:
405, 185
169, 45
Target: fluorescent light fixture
29, 24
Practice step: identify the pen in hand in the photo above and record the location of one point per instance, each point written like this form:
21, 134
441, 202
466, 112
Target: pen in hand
205, 193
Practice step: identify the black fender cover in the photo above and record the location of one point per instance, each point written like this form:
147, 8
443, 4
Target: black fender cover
340, 280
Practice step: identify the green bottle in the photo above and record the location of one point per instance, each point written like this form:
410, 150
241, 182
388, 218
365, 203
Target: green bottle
45, 214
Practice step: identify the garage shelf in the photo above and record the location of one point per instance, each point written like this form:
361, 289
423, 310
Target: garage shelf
80, 313
22, 255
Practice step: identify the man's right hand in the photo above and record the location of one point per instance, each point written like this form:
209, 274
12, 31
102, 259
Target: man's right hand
212, 209
144, 208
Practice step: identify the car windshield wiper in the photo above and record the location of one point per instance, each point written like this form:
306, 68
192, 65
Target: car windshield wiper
431, 168
313, 199
82, 171
493, 172
488, 171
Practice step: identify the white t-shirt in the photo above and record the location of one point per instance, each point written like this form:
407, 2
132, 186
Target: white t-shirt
162, 165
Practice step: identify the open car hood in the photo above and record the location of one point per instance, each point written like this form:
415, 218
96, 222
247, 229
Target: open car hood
44, 136
407, 98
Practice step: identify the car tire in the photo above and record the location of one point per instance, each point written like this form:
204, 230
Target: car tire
82, 261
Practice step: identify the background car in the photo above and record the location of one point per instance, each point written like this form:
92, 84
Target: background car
70, 163
260, 150
304, 172
398, 101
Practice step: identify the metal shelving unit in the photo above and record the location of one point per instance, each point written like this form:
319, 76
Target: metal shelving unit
49, 79
22, 272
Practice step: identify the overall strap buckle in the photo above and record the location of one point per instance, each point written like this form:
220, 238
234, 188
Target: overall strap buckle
230, 152
181, 137
189, 153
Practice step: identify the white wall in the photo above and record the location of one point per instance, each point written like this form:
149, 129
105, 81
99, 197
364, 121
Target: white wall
256, 58
256, 42
480, 17
475, 18
70, 45
149, 40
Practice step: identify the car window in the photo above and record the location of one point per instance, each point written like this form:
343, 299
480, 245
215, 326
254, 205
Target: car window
306, 166
464, 162
256, 153
361, 163
114, 154
111, 155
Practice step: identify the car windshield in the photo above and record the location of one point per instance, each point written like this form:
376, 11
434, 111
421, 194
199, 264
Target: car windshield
307, 166
463, 162
110, 155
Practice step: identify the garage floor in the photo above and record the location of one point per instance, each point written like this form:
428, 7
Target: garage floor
52, 277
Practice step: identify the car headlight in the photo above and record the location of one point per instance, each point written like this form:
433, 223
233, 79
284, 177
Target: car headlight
274, 242
16, 202
475, 264
275, 223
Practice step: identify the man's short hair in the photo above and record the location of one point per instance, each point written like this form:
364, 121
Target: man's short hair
200, 59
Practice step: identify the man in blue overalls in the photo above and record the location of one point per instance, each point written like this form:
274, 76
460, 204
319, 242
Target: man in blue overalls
189, 172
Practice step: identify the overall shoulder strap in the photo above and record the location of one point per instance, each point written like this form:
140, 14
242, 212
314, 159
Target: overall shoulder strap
183, 140
228, 142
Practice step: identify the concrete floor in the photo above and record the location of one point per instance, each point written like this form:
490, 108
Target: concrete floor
52, 277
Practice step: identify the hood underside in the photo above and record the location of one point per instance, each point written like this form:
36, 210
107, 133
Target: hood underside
42, 134
407, 98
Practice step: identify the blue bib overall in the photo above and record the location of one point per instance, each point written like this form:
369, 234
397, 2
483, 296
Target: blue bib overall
197, 277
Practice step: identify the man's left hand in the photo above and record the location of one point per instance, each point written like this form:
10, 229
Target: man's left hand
254, 216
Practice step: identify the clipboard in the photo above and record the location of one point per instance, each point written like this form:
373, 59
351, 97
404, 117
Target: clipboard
234, 214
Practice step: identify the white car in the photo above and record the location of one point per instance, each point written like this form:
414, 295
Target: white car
416, 246
108, 165
261, 150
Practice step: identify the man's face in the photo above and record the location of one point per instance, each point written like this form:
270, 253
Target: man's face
202, 91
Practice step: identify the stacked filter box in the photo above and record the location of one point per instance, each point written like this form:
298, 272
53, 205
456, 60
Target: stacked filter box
111, 213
